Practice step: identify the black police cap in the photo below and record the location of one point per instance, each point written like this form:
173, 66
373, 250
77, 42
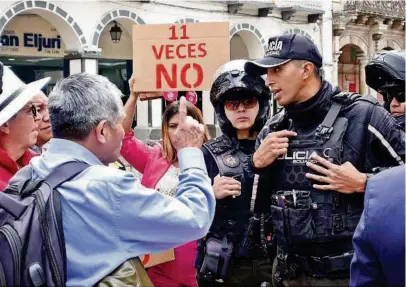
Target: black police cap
282, 49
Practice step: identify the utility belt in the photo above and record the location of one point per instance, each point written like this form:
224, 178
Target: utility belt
216, 254
297, 219
290, 266
291, 213
294, 218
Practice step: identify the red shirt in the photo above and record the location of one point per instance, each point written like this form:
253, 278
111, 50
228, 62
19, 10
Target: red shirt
8, 167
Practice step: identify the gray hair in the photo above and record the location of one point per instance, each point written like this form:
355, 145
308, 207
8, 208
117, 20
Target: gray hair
79, 102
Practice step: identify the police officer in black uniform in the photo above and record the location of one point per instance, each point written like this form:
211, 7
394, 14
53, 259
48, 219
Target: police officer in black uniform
314, 159
234, 253
385, 73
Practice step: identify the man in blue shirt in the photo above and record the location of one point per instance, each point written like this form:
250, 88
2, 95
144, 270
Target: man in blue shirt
108, 216
379, 240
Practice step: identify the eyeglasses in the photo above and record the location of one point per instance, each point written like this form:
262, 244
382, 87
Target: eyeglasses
32, 110
234, 105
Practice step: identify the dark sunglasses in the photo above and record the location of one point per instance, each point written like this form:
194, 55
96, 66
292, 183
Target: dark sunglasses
233, 105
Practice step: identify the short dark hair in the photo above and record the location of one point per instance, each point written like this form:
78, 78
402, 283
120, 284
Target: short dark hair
302, 62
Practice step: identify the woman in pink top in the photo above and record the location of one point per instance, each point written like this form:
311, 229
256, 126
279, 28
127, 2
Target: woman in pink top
159, 166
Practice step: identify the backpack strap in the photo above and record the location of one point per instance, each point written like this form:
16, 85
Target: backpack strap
64, 173
326, 127
11, 205
59, 175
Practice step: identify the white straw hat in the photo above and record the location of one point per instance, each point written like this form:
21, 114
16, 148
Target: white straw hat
16, 94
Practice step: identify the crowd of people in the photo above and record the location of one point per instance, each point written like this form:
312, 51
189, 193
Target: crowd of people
299, 198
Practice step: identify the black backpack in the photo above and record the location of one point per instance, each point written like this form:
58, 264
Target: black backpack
32, 245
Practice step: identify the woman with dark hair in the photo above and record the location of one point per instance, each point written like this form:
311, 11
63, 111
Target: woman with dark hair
160, 169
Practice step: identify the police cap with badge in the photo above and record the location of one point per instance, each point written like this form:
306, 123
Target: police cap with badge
283, 49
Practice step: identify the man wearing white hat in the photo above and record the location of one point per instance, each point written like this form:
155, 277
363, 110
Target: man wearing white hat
18, 124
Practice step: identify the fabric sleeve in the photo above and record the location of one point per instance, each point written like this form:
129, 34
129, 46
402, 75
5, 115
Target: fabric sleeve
135, 152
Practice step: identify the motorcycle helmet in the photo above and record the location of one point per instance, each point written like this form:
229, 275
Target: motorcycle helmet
385, 73
231, 82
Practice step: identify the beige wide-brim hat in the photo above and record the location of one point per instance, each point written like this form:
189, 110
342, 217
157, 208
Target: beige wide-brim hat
16, 94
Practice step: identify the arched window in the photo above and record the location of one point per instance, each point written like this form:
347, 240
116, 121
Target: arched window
297, 31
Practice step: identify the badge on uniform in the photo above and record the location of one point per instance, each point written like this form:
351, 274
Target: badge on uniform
231, 161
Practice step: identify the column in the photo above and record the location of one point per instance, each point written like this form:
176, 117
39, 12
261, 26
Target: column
326, 36
363, 88
209, 115
336, 57
142, 129
82, 61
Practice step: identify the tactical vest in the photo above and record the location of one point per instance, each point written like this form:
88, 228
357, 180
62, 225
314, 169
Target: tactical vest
301, 214
231, 213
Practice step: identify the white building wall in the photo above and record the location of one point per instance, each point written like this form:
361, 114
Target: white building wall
252, 32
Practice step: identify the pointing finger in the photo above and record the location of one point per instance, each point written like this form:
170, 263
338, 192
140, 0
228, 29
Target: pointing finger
182, 110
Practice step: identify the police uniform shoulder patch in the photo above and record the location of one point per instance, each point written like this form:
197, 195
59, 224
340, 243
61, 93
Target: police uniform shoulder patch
231, 161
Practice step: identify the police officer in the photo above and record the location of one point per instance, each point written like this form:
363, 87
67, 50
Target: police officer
314, 159
234, 251
385, 73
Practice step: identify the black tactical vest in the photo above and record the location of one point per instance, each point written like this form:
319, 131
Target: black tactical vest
301, 214
232, 214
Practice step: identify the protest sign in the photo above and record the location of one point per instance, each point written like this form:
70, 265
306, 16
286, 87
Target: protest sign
179, 57
149, 260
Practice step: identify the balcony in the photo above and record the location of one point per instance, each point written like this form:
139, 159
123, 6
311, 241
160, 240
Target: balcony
394, 10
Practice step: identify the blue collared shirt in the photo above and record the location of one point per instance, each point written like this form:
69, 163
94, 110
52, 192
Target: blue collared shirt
109, 217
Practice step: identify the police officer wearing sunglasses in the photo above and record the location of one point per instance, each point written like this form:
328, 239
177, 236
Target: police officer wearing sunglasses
314, 159
234, 253
385, 73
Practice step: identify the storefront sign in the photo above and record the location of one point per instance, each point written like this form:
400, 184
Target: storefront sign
31, 36
180, 57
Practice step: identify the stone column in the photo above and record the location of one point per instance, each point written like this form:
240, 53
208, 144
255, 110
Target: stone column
84, 61
326, 43
339, 24
336, 57
377, 37
337, 32
209, 115
363, 87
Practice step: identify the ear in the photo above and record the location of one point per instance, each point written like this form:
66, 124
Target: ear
5, 128
308, 69
101, 130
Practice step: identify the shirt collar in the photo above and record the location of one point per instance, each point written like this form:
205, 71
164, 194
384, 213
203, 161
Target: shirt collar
63, 150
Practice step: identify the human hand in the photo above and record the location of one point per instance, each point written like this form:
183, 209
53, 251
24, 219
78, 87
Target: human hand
224, 186
189, 133
274, 145
343, 178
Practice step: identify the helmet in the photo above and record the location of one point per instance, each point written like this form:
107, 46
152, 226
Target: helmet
231, 77
385, 73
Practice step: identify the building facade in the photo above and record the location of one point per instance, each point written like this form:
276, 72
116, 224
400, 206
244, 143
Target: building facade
58, 38
360, 30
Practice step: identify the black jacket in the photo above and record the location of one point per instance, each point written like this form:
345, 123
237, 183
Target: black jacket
229, 208
373, 139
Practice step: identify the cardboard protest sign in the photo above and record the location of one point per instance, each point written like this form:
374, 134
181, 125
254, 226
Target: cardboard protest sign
179, 57
149, 260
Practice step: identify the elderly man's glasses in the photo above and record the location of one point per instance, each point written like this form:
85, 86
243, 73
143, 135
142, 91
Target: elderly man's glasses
234, 105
